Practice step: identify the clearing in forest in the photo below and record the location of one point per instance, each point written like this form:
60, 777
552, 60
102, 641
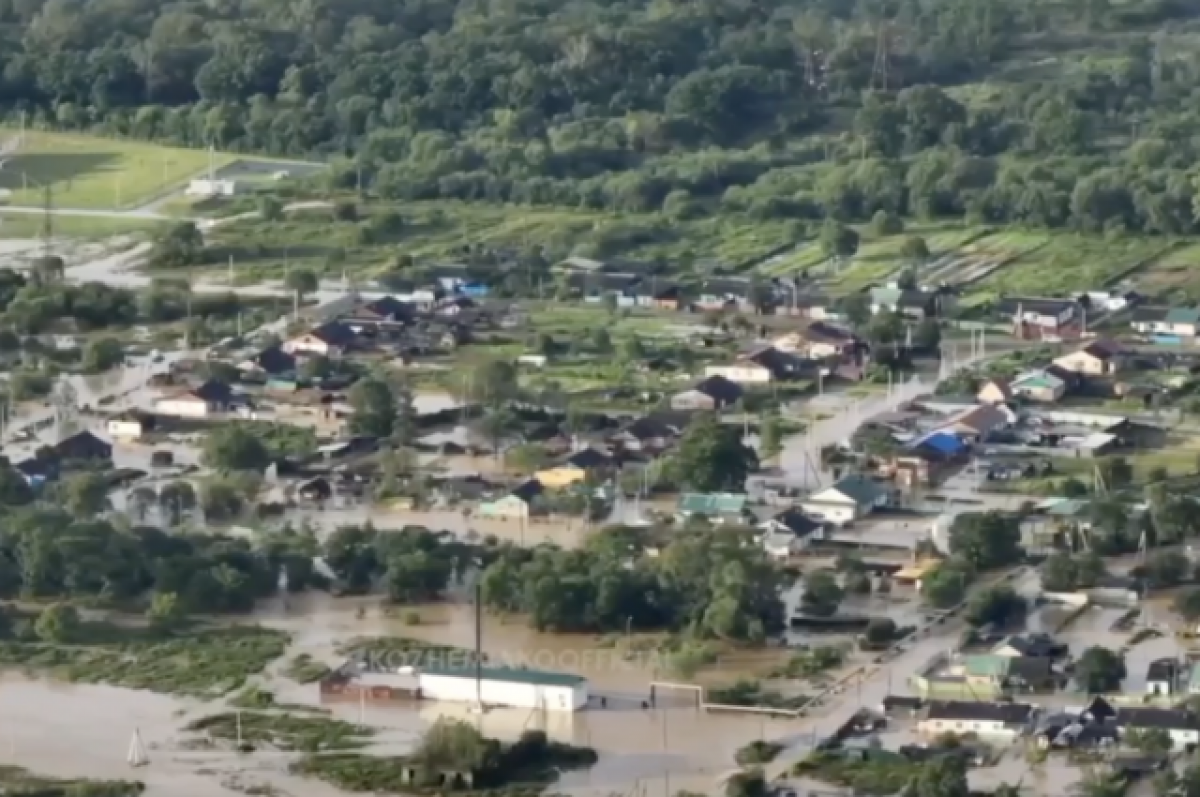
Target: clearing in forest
88, 172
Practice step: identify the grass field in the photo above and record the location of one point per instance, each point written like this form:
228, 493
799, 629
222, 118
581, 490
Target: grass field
96, 173
24, 225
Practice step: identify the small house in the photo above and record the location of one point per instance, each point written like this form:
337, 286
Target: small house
1162, 676
328, 340
129, 425
1098, 358
717, 506
517, 505
849, 499
271, 361
200, 402
1039, 386
575, 468
1001, 721
713, 393
1181, 725
83, 447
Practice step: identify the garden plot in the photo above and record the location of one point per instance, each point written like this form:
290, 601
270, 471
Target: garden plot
1071, 262
881, 261
977, 260
1175, 276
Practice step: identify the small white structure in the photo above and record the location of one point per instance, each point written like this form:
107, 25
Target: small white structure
505, 686
743, 372
211, 187
127, 426
1000, 721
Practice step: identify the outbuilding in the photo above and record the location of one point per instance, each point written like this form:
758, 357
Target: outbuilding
505, 686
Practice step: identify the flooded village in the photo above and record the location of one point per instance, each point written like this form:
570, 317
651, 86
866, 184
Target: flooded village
713, 548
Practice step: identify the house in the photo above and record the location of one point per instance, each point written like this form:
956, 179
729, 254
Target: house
328, 340
1037, 317
464, 286
82, 447
1167, 325
911, 303
713, 393
1040, 386
385, 309
847, 500
788, 533
976, 424
666, 296
517, 505
651, 432
1162, 676
742, 371
820, 340
315, 490
574, 469
594, 287
1098, 358
1035, 646
271, 361
720, 293
1181, 725
995, 391
129, 425
1006, 721
1007, 674
815, 307
723, 506
210, 397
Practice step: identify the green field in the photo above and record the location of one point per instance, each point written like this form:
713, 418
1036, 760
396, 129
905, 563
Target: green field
1174, 276
96, 173
25, 225
1071, 262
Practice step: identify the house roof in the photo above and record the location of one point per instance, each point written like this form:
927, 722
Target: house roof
1150, 313
943, 443
720, 389
335, 333
982, 419
528, 490
859, 489
508, 674
652, 426
1001, 385
1038, 379
274, 360
588, 458
795, 521
1009, 713
213, 392
1162, 670
986, 665
773, 359
390, 307
1034, 646
822, 332
1183, 315
83, 445
1103, 349
1165, 718
712, 503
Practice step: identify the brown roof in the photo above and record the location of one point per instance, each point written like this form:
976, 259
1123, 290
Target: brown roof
982, 419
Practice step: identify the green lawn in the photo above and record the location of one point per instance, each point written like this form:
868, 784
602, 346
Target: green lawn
97, 173
24, 225
1175, 275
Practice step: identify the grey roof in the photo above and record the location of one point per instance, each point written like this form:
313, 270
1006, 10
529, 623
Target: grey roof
860, 489
1167, 718
1011, 713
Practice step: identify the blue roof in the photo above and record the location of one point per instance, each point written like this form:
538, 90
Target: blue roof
943, 443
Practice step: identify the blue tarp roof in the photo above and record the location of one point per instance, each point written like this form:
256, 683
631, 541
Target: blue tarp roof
943, 443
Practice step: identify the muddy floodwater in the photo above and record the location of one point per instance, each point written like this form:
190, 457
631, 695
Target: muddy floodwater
78, 730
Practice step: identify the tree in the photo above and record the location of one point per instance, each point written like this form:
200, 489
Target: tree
1167, 569
857, 583
234, 447
822, 595
165, 611
770, 441
85, 494
632, 350
345, 211
302, 281
177, 499
1187, 603
837, 240
915, 250
179, 246
986, 540
711, 458
58, 623
451, 744
928, 335
601, 342
100, 355
374, 407
49, 270
940, 776
907, 281
857, 309
880, 631
945, 586
316, 368
417, 577
14, 489
998, 605
1100, 670
270, 208
884, 224
526, 458
1152, 741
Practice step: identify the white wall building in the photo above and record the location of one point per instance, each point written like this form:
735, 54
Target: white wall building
505, 686
999, 721
206, 187
741, 372
183, 405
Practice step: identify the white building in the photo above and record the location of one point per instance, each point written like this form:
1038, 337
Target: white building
742, 372
997, 721
1181, 725
128, 425
505, 686
207, 187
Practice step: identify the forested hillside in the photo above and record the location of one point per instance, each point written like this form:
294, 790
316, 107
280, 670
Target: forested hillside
1070, 113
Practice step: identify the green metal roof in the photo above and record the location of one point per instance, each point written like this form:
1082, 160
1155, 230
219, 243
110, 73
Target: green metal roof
518, 675
986, 666
1039, 380
711, 503
1183, 315
860, 489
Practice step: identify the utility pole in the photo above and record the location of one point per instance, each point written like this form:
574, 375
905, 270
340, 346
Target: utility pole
47, 221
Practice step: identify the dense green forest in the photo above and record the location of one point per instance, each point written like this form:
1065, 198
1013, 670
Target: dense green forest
1072, 113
